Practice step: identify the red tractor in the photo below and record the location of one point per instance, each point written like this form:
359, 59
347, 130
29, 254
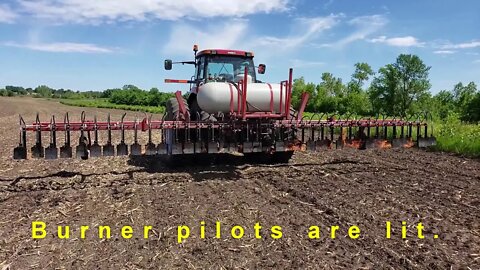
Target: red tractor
225, 91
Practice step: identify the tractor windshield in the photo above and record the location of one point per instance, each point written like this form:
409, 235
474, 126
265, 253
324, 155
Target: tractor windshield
225, 68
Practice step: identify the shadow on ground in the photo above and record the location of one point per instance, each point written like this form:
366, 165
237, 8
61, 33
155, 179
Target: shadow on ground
201, 167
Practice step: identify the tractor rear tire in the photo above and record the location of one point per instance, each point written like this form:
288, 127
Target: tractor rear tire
172, 110
293, 113
173, 113
195, 113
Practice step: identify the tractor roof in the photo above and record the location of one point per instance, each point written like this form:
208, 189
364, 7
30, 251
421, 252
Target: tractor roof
225, 52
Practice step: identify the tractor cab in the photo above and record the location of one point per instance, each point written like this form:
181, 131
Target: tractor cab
224, 66
219, 65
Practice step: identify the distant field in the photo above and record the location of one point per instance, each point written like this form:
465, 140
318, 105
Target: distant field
104, 103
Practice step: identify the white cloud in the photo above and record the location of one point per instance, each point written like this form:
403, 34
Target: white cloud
62, 47
477, 61
444, 52
226, 35
239, 34
364, 27
407, 41
94, 11
6, 14
466, 45
310, 28
298, 63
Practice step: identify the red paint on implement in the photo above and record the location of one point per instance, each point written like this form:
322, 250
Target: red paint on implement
231, 97
181, 105
281, 97
244, 100
288, 95
271, 97
176, 81
130, 125
303, 104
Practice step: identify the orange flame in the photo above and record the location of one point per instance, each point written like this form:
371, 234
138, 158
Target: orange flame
296, 145
353, 143
383, 144
409, 144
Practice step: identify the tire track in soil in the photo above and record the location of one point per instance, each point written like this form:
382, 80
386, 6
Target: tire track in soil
309, 201
337, 218
449, 206
306, 203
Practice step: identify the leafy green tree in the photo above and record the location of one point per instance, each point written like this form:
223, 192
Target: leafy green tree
357, 100
358, 103
333, 85
400, 85
463, 95
466, 103
17, 90
154, 91
414, 82
299, 86
132, 95
154, 97
383, 90
363, 72
472, 110
130, 87
43, 91
443, 104
108, 93
330, 94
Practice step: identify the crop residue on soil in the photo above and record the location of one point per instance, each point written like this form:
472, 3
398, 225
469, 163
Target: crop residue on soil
344, 188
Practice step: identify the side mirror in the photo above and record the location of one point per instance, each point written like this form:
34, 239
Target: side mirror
168, 64
261, 68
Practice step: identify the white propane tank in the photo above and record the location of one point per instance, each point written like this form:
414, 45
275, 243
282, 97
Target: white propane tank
240, 77
214, 97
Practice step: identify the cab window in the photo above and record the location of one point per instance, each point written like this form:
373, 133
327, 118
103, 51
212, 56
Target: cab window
201, 69
227, 68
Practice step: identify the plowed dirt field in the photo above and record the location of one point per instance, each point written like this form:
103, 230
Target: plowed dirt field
333, 188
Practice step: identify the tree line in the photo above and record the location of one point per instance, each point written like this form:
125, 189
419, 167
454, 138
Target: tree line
397, 89
127, 95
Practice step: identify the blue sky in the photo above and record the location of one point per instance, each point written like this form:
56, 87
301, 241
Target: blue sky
95, 45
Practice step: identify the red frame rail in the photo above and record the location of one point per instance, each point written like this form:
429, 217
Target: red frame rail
145, 125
